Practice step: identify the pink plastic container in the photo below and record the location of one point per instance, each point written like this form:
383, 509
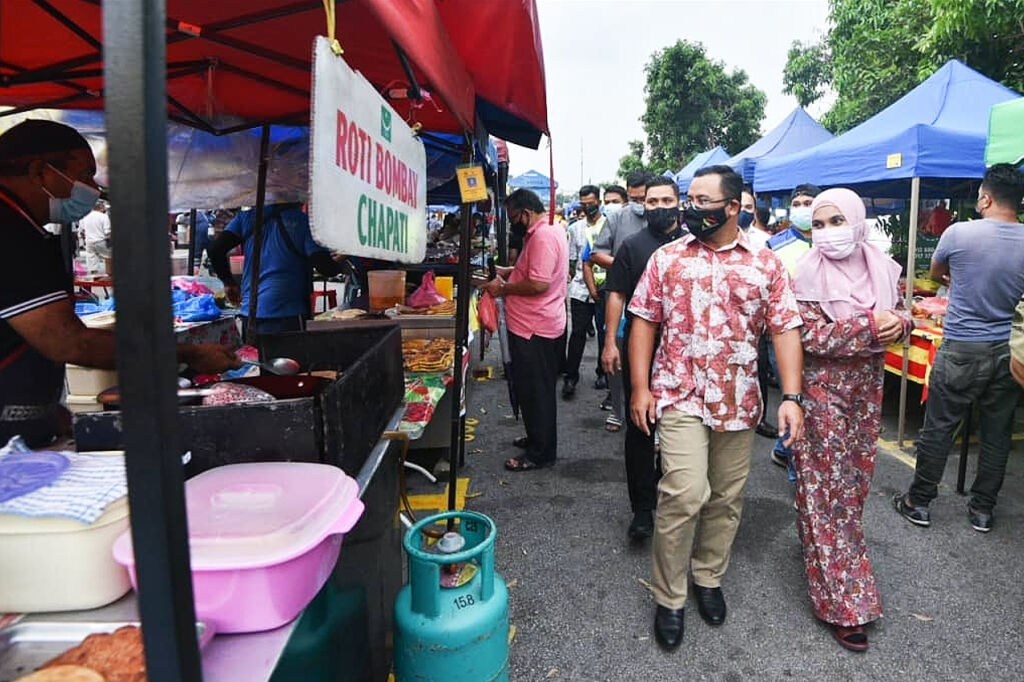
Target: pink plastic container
264, 538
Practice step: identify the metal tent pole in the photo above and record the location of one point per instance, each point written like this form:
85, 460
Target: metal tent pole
499, 215
192, 218
915, 198
136, 107
257, 235
461, 334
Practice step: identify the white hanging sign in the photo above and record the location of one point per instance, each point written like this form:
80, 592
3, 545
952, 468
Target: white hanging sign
368, 184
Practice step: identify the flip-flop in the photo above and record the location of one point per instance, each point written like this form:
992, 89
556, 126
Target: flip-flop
851, 638
612, 426
523, 464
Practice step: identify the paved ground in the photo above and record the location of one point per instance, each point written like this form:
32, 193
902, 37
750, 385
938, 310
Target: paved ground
953, 598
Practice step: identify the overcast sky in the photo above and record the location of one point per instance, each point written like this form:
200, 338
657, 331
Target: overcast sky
594, 56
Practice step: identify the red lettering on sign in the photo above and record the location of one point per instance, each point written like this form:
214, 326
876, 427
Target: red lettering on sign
339, 150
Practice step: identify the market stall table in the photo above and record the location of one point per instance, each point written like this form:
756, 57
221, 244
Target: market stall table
29, 640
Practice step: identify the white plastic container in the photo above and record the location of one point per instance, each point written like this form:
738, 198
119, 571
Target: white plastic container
264, 538
86, 381
79, 404
59, 564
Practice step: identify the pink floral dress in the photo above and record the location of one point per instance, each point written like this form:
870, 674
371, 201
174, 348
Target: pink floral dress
834, 462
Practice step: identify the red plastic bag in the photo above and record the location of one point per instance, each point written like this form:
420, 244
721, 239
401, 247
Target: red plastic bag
426, 294
487, 311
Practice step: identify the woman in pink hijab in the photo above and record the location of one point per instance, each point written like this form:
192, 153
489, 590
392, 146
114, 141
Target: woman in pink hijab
850, 303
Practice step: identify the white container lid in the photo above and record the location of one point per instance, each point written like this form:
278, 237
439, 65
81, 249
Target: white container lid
260, 514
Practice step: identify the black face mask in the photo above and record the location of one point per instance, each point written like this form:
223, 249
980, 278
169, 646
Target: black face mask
704, 222
592, 210
659, 220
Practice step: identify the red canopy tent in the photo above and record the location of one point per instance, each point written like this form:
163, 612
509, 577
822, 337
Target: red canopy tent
228, 70
500, 43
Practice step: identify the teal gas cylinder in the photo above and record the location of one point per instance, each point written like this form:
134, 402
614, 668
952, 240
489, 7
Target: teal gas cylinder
451, 620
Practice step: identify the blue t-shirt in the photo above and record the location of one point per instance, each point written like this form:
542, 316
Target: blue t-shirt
986, 268
284, 273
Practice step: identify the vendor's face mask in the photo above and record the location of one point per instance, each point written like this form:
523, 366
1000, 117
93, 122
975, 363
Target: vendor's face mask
74, 207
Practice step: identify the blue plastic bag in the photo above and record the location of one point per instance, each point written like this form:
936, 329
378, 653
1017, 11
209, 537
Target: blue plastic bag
197, 309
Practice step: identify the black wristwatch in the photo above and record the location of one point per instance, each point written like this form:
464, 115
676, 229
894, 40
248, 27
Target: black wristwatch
797, 398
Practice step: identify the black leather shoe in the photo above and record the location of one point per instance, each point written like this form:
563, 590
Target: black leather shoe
601, 383
767, 430
710, 604
980, 521
668, 627
522, 442
642, 526
568, 388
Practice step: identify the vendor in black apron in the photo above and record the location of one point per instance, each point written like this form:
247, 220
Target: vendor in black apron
46, 176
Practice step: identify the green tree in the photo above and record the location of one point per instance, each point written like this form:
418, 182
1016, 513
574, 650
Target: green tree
634, 160
808, 71
694, 104
987, 35
877, 50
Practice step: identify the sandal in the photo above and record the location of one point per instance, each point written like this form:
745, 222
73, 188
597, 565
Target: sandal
851, 638
613, 424
523, 464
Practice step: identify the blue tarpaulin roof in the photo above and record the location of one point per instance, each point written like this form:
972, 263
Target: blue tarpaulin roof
937, 130
796, 133
708, 158
533, 180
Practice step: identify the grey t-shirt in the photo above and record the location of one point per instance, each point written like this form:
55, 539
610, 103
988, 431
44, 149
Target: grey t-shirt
617, 227
986, 268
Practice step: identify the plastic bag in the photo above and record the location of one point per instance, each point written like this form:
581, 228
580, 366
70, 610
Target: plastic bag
198, 309
426, 294
190, 286
487, 309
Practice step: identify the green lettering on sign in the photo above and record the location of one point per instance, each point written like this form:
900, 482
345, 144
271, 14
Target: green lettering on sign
385, 123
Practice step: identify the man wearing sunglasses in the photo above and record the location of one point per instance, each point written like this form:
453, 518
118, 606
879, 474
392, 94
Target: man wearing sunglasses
708, 296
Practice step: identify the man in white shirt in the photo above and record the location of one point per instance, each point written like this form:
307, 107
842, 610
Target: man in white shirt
96, 228
582, 233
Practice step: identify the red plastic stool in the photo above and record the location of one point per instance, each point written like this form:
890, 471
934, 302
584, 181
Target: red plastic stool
332, 300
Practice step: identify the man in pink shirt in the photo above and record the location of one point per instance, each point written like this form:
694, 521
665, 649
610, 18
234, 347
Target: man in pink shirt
535, 291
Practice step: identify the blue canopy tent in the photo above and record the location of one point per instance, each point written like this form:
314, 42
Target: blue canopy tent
932, 138
936, 133
708, 158
797, 132
444, 155
534, 181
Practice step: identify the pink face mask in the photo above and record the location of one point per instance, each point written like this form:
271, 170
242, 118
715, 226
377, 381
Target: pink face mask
835, 243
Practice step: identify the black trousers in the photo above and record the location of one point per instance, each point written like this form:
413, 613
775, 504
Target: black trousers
581, 313
965, 373
602, 297
536, 364
642, 469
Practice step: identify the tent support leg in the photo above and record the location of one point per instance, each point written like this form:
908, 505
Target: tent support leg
257, 235
915, 198
192, 218
136, 106
461, 334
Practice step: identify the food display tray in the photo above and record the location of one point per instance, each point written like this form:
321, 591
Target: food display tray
27, 644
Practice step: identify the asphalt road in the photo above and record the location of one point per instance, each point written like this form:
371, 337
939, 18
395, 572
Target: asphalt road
953, 598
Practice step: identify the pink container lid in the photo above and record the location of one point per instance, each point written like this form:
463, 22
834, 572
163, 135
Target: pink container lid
261, 514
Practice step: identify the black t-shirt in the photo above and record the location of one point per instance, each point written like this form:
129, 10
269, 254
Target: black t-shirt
631, 260
35, 276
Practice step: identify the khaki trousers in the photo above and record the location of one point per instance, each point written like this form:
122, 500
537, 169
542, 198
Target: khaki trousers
703, 474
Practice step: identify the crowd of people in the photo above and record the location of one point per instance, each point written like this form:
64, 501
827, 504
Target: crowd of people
703, 306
